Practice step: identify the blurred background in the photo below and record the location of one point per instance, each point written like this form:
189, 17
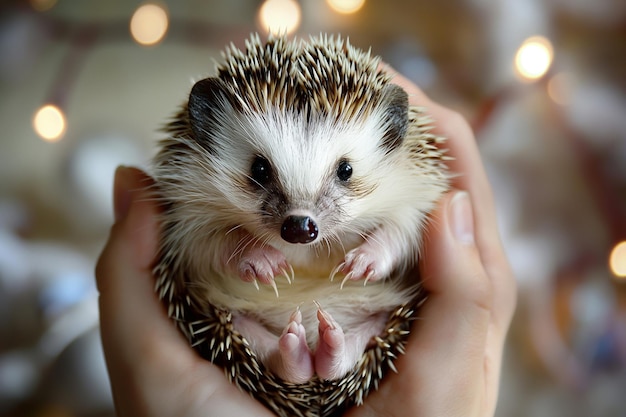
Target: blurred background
85, 86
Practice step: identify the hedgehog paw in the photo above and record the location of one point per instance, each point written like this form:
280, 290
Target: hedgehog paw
363, 263
263, 264
331, 356
294, 363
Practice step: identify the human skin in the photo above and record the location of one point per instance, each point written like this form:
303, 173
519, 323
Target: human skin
454, 353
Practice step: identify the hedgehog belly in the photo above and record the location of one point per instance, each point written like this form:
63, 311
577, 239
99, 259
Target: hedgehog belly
210, 331
352, 305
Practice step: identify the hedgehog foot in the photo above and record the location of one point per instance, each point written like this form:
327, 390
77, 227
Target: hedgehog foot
338, 352
365, 263
262, 264
287, 356
331, 361
295, 363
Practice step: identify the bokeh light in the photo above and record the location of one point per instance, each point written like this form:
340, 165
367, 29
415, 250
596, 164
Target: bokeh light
49, 123
617, 260
280, 16
149, 24
42, 5
533, 58
346, 6
560, 88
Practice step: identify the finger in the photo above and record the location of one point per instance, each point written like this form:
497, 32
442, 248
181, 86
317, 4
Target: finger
459, 322
144, 350
454, 321
448, 342
469, 174
443, 364
132, 319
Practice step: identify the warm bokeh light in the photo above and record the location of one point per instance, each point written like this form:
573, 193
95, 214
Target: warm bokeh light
280, 16
617, 260
149, 24
42, 5
559, 88
346, 6
49, 123
533, 58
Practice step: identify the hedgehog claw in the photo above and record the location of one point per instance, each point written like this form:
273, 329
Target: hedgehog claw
273, 284
336, 271
285, 274
325, 318
347, 278
296, 315
292, 273
368, 264
262, 264
256, 284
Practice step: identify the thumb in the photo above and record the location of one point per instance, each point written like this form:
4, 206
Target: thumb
451, 264
132, 318
441, 372
458, 307
448, 341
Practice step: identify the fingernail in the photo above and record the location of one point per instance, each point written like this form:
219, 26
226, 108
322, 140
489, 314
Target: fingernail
462, 218
122, 193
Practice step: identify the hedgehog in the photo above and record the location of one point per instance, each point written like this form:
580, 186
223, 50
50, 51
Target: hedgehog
295, 186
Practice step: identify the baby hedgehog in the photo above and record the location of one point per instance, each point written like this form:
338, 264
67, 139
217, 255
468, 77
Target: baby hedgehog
295, 187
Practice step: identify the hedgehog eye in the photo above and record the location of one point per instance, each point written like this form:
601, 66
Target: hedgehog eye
344, 171
261, 171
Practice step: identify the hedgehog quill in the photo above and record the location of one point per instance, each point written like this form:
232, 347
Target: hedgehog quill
295, 186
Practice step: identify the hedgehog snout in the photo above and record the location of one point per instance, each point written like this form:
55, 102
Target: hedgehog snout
299, 229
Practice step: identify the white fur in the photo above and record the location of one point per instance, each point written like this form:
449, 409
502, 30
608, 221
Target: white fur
217, 219
306, 108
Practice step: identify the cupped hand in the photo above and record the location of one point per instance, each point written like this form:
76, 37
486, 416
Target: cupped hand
454, 354
152, 369
453, 358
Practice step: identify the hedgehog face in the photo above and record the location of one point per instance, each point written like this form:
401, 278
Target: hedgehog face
306, 174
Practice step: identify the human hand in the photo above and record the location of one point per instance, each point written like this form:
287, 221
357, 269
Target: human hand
454, 353
152, 368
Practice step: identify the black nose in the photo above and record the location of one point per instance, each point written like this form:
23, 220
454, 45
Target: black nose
299, 229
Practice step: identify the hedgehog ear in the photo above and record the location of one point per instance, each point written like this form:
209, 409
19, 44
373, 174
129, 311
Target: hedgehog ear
208, 98
396, 101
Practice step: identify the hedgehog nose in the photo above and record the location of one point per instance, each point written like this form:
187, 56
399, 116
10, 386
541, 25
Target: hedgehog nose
299, 229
